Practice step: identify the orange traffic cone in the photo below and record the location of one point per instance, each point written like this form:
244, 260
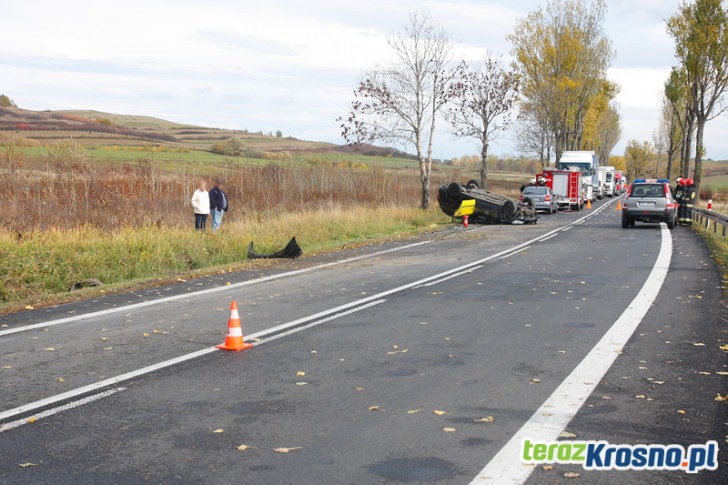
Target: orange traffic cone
619, 205
588, 203
234, 338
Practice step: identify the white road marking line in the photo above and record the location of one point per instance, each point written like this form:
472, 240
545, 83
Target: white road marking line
217, 289
318, 322
193, 355
432, 283
562, 405
547, 238
59, 409
569, 228
517, 252
25, 408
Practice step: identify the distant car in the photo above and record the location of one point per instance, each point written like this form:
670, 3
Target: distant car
541, 197
649, 201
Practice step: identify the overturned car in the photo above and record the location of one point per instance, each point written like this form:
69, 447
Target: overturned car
482, 206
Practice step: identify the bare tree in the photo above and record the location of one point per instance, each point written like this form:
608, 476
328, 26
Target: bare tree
486, 94
562, 54
400, 103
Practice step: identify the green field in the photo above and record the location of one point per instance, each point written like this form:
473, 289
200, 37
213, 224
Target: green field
718, 183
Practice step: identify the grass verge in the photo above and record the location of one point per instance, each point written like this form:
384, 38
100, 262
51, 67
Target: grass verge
41, 267
718, 246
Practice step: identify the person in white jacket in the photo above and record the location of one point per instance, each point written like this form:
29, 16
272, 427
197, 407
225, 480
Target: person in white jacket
201, 205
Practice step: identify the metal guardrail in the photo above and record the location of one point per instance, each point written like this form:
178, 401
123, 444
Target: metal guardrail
704, 217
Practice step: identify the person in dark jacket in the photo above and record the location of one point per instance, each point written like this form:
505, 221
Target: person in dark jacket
679, 194
218, 204
689, 202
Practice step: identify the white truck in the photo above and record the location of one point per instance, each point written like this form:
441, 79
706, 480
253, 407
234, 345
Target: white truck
608, 174
601, 176
587, 163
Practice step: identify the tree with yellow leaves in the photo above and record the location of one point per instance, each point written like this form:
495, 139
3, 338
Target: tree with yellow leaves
561, 55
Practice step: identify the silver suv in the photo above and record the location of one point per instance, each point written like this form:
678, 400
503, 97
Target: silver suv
649, 201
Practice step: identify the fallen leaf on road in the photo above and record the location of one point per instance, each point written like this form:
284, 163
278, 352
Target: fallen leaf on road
301, 383
50, 349
32, 419
535, 381
414, 411
219, 430
640, 396
658, 382
439, 412
606, 398
722, 373
7, 367
104, 339
61, 379
724, 347
562, 351
359, 388
243, 447
548, 467
703, 373
145, 334
158, 331
26, 465
448, 430
698, 344
29, 307
572, 475
720, 398
681, 411
487, 419
108, 348
374, 408
547, 414
300, 373
314, 352
286, 450
566, 434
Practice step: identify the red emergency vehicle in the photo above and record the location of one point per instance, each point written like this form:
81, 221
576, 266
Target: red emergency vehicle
566, 186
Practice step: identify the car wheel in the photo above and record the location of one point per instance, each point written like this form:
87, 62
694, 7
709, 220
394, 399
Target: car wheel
625, 223
670, 223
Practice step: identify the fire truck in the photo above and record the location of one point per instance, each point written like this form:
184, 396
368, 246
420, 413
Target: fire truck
566, 185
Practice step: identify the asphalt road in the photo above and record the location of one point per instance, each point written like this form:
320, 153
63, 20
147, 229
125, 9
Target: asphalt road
481, 325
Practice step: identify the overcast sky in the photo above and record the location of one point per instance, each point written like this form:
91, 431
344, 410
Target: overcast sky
284, 65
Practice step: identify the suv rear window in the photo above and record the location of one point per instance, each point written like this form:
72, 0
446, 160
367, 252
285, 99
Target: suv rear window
535, 190
647, 190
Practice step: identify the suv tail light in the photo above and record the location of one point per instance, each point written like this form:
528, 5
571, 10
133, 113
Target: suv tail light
547, 198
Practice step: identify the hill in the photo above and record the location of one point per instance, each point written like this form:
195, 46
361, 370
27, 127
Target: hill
90, 127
